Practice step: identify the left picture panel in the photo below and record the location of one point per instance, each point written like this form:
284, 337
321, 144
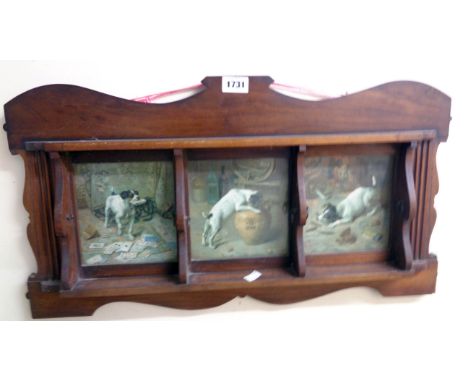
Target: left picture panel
125, 212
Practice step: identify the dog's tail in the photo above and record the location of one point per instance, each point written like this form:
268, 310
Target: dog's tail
374, 181
320, 195
113, 191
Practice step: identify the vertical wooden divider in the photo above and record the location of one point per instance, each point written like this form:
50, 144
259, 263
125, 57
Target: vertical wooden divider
404, 207
37, 199
180, 167
65, 220
300, 212
432, 188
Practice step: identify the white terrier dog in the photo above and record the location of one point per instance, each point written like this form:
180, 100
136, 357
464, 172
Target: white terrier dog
122, 205
359, 201
234, 201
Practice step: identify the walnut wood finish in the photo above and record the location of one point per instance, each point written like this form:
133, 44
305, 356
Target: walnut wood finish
426, 186
299, 212
53, 125
37, 199
66, 230
64, 112
236, 142
210, 290
404, 207
182, 214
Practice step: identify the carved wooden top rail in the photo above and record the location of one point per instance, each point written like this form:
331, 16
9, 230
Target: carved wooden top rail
51, 126
50, 116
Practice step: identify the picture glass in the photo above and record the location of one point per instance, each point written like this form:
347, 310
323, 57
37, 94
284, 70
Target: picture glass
349, 203
125, 212
238, 208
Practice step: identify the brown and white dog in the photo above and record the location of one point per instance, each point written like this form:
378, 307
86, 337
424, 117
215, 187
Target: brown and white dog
123, 205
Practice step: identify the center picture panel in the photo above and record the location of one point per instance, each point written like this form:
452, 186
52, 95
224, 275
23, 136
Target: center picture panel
239, 207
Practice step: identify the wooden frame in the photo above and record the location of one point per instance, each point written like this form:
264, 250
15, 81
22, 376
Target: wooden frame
54, 126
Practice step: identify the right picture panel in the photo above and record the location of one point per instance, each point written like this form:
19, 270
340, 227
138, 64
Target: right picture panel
349, 203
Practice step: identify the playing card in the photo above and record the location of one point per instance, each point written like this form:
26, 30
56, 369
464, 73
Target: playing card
96, 245
98, 259
111, 248
124, 246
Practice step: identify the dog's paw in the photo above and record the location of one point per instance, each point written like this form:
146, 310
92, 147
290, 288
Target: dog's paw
373, 212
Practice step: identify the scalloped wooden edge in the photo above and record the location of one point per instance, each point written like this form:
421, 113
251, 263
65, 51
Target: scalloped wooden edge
46, 303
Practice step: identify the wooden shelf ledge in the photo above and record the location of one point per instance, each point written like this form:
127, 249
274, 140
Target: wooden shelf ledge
213, 289
231, 142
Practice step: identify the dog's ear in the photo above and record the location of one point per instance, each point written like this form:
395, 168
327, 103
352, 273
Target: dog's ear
329, 212
330, 207
255, 198
124, 194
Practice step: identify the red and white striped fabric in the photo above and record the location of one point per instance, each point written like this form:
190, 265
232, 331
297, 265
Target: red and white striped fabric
175, 95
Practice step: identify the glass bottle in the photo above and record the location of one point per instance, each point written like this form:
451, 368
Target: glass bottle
213, 187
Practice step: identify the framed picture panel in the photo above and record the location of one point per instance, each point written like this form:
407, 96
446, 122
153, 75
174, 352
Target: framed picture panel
125, 212
239, 207
349, 201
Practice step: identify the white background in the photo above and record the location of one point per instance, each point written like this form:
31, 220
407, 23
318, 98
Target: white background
331, 47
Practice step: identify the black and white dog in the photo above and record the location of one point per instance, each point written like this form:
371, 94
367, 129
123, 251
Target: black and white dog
360, 201
235, 200
123, 205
